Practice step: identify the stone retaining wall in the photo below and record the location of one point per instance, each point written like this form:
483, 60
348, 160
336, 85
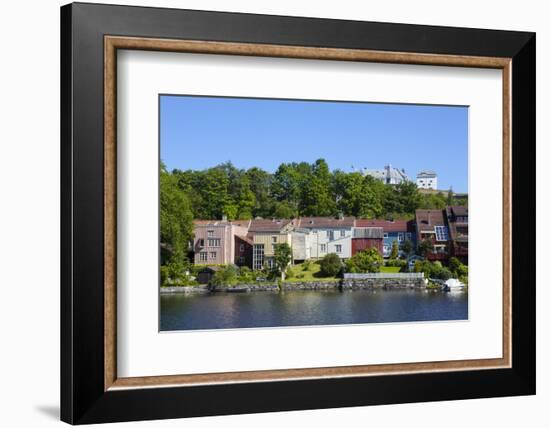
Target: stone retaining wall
186, 289
344, 284
382, 283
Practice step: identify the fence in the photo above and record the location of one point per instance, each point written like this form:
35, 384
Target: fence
384, 275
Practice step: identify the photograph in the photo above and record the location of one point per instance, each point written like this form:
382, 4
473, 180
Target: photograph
288, 212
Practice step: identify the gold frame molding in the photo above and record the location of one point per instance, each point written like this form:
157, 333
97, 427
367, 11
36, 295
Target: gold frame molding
113, 43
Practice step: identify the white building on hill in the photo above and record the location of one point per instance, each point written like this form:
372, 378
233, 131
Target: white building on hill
426, 180
388, 175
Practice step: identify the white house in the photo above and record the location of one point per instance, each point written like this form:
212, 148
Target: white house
324, 235
388, 175
301, 245
426, 180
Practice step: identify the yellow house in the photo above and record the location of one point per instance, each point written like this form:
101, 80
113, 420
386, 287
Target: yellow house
266, 234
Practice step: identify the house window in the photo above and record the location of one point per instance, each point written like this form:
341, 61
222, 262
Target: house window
271, 263
274, 239
409, 236
258, 256
400, 236
203, 256
386, 236
214, 242
331, 235
241, 248
323, 248
201, 243
241, 260
338, 249
212, 255
210, 233
342, 233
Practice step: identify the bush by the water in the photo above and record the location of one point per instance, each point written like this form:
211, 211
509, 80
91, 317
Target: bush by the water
365, 261
330, 265
433, 269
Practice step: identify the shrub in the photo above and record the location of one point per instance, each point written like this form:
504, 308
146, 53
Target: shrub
306, 265
330, 265
365, 261
226, 276
396, 263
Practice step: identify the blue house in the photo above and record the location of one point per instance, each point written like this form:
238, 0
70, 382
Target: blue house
394, 230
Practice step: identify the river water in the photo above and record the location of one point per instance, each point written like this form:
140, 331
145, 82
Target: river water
303, 308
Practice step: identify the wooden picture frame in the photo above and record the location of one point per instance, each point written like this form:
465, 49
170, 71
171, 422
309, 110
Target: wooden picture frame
91, 390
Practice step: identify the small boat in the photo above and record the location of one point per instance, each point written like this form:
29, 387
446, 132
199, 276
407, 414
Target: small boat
453, 285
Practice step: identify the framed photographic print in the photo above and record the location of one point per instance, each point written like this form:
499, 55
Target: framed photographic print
266, 213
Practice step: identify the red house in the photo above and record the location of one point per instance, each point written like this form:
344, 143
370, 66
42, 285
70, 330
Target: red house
243, 251
364, 238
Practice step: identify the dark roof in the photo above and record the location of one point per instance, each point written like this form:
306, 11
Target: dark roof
427, 219
387, 225
457, 210
325, 222
368, 232
268, 225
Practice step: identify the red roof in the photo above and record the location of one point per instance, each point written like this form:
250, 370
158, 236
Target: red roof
427, 219
387, 225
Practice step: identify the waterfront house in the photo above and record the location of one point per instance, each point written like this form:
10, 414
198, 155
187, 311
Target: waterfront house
265, 235
393, 230
457, 219
327, 235
364, 238
214, 240
432, 225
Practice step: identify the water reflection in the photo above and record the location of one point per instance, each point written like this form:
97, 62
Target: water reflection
299, 308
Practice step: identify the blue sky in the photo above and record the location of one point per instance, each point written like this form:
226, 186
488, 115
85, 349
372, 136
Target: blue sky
201, 132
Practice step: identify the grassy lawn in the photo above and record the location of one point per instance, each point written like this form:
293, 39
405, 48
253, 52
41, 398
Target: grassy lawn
389, 269
308, 275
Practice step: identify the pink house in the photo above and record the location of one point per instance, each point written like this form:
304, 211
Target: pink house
214, 241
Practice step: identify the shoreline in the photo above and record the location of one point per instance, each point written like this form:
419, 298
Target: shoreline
342, 284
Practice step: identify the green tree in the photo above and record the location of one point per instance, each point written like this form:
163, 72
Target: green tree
450, 197
425, 247
283, 256
284, 209
357, 195
176, 221
317, 198
260, 182
407, 247
457, 268
365, 261
330, 264
394, 250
